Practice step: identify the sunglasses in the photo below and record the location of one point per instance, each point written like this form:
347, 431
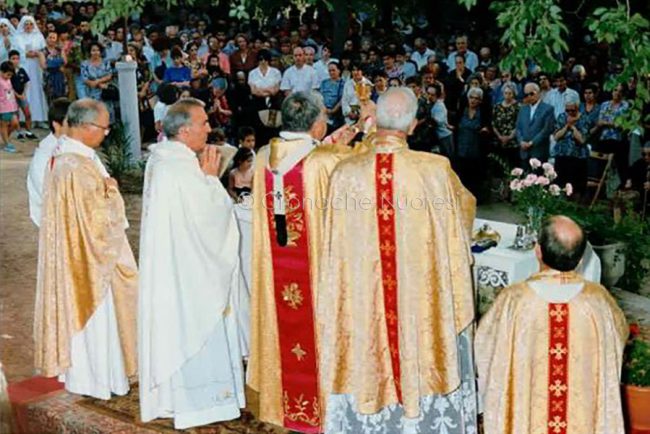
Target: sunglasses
530, 94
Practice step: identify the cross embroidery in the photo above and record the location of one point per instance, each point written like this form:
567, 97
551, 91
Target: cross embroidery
557, 424
559, 351
299, 352
387, 248
558, 388
385, 213
558, 313
385, 176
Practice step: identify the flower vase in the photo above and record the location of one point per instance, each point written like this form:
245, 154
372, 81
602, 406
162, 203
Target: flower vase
535, 216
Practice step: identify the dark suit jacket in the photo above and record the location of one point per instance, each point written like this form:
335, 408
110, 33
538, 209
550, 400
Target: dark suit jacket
538, 130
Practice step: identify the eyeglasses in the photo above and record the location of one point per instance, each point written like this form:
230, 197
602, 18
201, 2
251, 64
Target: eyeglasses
107, 130
571, 111
530, 94
475, 98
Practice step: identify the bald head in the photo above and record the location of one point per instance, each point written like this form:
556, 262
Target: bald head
562, 243
396, 109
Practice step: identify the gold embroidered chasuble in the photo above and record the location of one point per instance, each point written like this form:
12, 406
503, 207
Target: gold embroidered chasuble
264, 368
83, 250
547, 368
432, 215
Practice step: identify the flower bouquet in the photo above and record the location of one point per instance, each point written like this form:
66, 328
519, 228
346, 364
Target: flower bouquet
534, 192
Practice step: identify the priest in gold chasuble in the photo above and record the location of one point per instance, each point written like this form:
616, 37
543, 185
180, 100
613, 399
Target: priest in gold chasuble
549, 351
290, 184
395, 304
86, 293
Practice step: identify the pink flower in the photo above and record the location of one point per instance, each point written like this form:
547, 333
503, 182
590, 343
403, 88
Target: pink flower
515, 185
542, 180
568, 189
551, 174
517, 171
535, 163
547, 167
554, 189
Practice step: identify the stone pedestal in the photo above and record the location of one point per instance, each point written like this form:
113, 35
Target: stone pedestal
129, 104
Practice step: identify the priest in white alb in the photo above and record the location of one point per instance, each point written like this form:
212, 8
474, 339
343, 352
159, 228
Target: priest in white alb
86, 292
550, 349
191, 305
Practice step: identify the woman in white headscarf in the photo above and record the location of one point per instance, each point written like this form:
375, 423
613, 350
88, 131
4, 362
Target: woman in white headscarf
7, 34
29, 41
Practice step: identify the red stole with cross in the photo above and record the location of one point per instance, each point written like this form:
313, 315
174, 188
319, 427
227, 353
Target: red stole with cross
294, 307
558, 367
386, 226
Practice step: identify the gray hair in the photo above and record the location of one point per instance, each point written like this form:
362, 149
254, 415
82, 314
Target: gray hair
533, 86
396, 109
475, 91
301, 110
84, 111
179, 115
509, 85
571, 98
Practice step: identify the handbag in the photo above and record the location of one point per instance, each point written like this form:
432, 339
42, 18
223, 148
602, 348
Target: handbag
110, 93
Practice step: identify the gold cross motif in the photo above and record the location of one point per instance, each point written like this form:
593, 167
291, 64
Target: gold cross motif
559, 351
292, 295
385, 176
385, 213
384, 158
559, 312
387, 247
558, 388
558, 370
557, 406
299, 352
390, 283
559, 333
557, 424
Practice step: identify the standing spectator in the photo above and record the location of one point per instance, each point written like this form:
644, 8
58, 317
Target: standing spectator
264, 82
560, 94
590, 110
143, 81
8, 106
350, 101
299, 77
421, 53
53, 61
245, 58
472, 131
194, 62
570, 151
611, 136
220, 112
440, 117
409, 67
391, 69
167, 95
97, 74
332, 91
30, 41
504, 121
470, 58
214, 46
455, 86
535, 124
179, 74
20, 83
7, 34
322, 66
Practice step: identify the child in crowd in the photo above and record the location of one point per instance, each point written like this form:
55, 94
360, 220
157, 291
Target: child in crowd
167, 95
20, 81
246, 137
8, 105
240, 180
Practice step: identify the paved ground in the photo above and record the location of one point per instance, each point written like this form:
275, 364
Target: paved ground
18, 250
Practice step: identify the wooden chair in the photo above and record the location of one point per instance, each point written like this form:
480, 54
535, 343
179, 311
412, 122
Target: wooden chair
597, 170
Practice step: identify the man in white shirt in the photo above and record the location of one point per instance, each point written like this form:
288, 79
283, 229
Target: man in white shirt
42, 155
323, 63
192, 308
421, 53
558, 96
299, 77
471, 59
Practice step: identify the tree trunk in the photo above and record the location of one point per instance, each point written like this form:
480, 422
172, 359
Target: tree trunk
341, 25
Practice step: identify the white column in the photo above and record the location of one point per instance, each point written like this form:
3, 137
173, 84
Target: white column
130, 113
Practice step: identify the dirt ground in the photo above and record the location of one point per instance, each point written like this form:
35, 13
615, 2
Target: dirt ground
18, 256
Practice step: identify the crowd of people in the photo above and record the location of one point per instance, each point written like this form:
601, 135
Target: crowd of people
468, 107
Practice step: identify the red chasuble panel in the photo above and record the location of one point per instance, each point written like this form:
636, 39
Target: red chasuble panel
386, 225
558, 368
294, 307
